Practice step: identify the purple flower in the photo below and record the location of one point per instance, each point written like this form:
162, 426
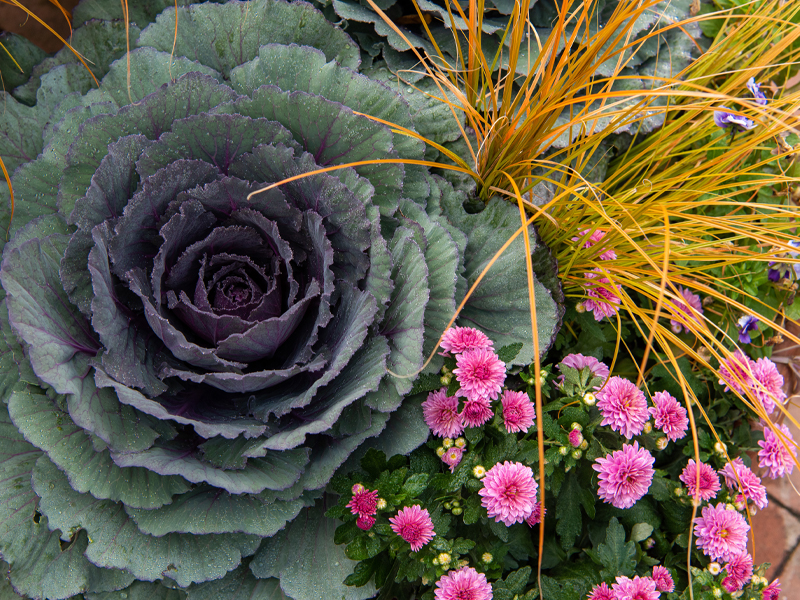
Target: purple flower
748, 482
721, 533
709, 481
575, 438
598, 235
602, 592
746, 324
464, 584
452, 457
725, 119
518, 411
758, 95
669, 416
579, 361
772, 591
364, 502
624, 475
683, 310
414, 525
509, 492
784, 270
767, 384
476, 412
603, 298
638, 588
460, 339
365, 522
623, 406
663, 579
736, 371
480, 373
740, 571
774, 455
441, 414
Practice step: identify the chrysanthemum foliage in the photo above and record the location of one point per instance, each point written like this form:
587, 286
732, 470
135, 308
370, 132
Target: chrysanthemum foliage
186, 362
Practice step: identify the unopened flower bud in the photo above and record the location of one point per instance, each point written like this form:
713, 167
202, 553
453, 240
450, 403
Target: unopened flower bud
580, 308
440, 451
444, 558
381, 504
740, 506
662, 443
577, 426
478, 471
717, 592
584, 445
737, 595
448, 505
447, 443
457, 511
463, 563
358, 488
649, 543
435, 561
456, 503
425, 580
648, 427
729, 506
460, 443
446, 379
704, 353
487, 558
678, 492
720, 448
753, 510
714, 568
576, 454
563, 451
575, 438
589, 399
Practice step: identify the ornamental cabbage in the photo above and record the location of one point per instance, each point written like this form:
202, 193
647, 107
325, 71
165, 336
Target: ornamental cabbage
186, 362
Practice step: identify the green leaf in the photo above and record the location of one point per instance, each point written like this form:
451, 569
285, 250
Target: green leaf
568, 511
426, 382
361, 574
416, 484
615, 553
508, 353
239, 584
20, 132
641, 531
374, 462
26, 54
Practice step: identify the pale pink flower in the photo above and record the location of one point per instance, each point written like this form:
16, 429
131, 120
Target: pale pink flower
692, 300
772, 591
669, 416
460, 339
638, 588
625, 475
518, 411
364, 502
579, 361
721, 533
476, 412
365, 522
740, 572
509, 492
736, 372
414, 525
767, 384
452, 457
464, 584
663, 579
596, 236
623, 406
709, 481
441, 414
751, 486
602, 298
480, 373
601, 592
774, 455
575, 438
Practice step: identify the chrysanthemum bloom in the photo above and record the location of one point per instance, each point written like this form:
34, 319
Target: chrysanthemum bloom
721, 533
624, 475
725, 119
709, 481
748, 482
689, 314
460, 339
767, 384
536, 515
772, 591
623, 406
740, 572
736, 372
575, 438
441, 414
509, 492
365, 522
363, 502
603, 299
464, 584
638, 588
669, 416
774, 455
414, 525
754, 88
480, 373
596, 236
452, 457
476, 412
746, 324
601, 592
579, 361
663, 579
518, 411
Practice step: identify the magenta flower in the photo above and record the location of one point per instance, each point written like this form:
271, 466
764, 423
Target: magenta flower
536, 515
607, 254
441, 414
683, 310
414, 525
464, 584
601, 592
518, 411
767, 384
663, 579
772, 591
623, 406
638, 588
480, 373
709, 481
740, 571
625, 475
509, 492
452, 457
365, 522
750, 485
721, 533
363, 502
575, 437
736, 372
774, 455
602, 299
669, 416
476, 412
460, 339
579, 361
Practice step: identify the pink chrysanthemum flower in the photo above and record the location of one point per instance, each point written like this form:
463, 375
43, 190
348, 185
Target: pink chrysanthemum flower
480, 373
365, 522
736, 372
623, 406
579, 361
721, 533
575, 438
460, 339
441, 414
767, 384
509, 492
669, 416
598, 235
536, 515
363, 502
772, 591
414, 525
740, 572
476, 412
750, 486
709, 481
464, 584
774, 455
452, 457
602, 298
663, 579
691, 300
638, 588
601, 592
518, 411
625, 475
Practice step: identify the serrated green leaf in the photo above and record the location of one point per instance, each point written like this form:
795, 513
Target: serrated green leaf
374, 462
508, 353
239, 584
615, 553
568, 512
416, 484
361, 574
472, 509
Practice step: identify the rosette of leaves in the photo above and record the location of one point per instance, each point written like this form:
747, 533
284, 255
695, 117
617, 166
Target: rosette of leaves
185, 364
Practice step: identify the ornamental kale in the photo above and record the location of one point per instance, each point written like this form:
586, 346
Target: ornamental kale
186, 361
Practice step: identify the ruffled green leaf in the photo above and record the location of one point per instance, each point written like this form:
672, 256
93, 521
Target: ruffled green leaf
240, 584
141, 590
26, 56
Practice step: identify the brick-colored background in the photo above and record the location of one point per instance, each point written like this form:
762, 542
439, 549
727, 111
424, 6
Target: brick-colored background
16, 20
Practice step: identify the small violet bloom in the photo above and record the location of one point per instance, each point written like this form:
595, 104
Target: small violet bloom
779, 270
755, 89
747, 324
725, 119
